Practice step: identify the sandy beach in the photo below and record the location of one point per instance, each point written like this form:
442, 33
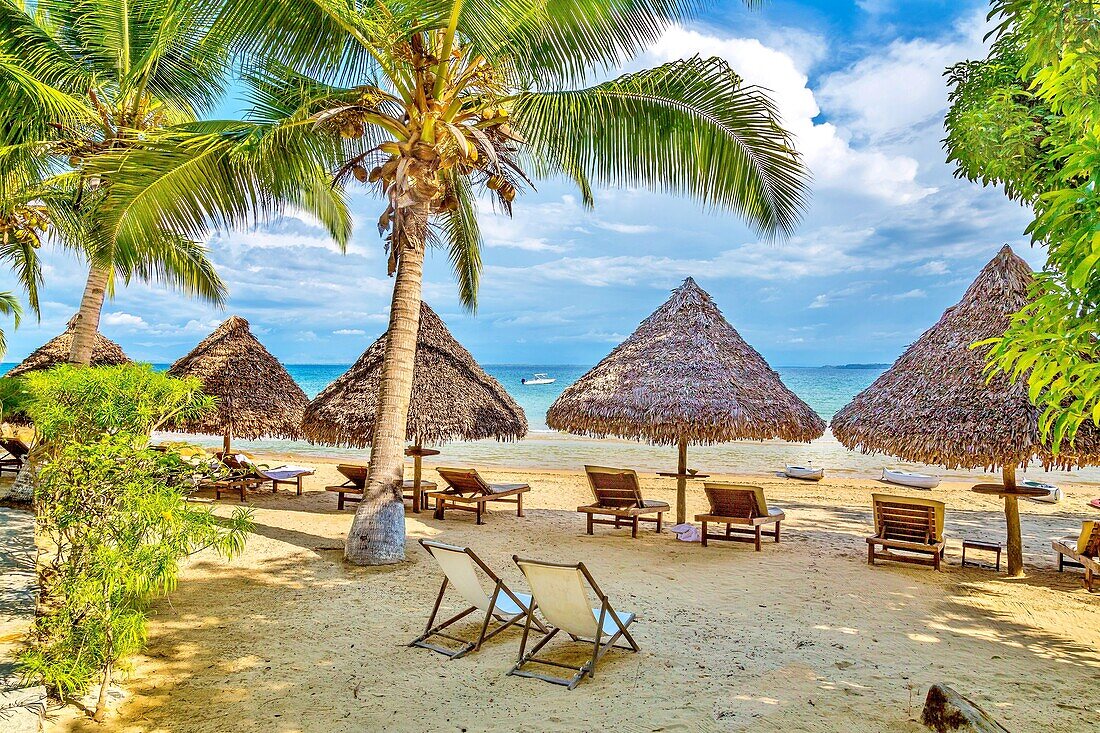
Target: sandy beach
803, 636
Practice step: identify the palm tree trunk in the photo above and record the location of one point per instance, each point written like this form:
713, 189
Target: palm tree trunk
87, 318
377, 535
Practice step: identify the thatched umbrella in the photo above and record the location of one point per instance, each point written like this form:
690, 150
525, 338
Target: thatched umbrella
257, 398
105, 352
935, 404
452, 398
684, 376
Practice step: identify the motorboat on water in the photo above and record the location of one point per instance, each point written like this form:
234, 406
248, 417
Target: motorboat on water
1054, 494
539, 378
909, 478
804, 473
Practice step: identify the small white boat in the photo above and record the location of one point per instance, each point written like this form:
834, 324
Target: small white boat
805, 473
539, 378
909, 478
1054, 494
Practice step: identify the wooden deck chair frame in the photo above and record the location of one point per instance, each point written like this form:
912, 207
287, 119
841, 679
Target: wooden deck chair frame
351, 491
17, 452
478, 494
1082, 551
910, 525
744, 511
492, 612
599, 647
623, 502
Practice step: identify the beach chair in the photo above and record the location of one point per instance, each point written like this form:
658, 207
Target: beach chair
560, 594
619, 494
460, 566
356, 478
908, 525
17, 452
1082, 551
468, 492
743, 510
246, 464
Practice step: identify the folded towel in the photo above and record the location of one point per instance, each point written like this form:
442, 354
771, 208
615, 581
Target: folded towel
285, 473
686, 532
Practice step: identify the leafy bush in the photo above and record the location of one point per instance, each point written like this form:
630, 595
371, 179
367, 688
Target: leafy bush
113, 517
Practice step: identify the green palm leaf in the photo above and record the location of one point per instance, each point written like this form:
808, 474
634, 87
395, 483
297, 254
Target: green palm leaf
688, 127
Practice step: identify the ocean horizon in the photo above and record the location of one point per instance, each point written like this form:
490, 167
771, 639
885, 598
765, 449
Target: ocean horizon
826, 389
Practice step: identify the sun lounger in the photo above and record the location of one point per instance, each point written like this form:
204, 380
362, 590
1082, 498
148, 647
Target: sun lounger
619, 494
743, 510
468, 492
1082, 551
907, 525
356, 474
17, 452
460, 566
289, 475
232, 485
560, 594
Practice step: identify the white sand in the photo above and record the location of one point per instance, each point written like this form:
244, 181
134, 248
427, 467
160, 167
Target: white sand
803, 636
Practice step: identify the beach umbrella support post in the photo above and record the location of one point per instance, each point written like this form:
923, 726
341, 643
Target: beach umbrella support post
681, 481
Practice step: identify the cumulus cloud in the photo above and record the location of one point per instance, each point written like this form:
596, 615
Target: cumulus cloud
124, 320
350, 332
901, 86
825, 148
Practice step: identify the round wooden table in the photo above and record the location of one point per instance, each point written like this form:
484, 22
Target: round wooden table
682, 477
686, 476
1011, 495
417, 454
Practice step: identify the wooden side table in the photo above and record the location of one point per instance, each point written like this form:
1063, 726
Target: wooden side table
979, 545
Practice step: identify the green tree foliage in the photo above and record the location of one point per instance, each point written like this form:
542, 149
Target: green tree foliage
1027, 118
113, 518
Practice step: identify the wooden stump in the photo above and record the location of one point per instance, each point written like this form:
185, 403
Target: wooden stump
946, 710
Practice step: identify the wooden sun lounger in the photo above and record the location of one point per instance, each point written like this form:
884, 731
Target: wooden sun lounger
1081, 551
907, 525
351, 491
743, 510
468, 492
17, 452
252, 470
618, 494
232, 484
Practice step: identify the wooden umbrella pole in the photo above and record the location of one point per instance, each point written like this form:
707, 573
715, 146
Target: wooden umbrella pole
416, 476
226, 440
681, 481
1012, 519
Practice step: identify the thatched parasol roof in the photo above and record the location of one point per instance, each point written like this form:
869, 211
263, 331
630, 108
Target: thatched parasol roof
105, 352
257, 398
934, 404
452, 397
684, 374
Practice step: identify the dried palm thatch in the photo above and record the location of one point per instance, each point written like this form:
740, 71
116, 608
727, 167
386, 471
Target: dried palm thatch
685, 375
105, 352
452, 397
934, 404
256, 396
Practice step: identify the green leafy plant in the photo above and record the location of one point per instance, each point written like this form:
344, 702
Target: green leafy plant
116, 524
112, 516
1027, 118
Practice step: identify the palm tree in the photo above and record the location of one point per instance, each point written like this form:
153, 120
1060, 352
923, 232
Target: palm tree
448, 100
85, 84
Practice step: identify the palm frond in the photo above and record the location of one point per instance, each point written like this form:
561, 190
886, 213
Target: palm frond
462, 236
688, 127
171, 260
9, 306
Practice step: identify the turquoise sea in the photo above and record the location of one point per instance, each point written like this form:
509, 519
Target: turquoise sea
826, 389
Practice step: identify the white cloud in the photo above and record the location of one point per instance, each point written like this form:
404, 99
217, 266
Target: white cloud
350, 332
620, 228
908, 295
820, 301
125, 320
933, 267
825, 147
902, 86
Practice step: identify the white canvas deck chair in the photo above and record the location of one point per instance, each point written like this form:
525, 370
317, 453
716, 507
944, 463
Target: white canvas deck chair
460, 565
561, 594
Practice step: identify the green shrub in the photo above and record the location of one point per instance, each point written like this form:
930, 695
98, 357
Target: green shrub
113, 518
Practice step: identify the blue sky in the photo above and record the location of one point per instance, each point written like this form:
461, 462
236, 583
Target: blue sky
890, 239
